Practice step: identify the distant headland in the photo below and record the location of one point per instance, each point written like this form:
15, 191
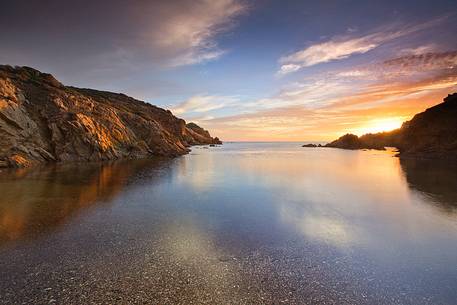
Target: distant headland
432, 133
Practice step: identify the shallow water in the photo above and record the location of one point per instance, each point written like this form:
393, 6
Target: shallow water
242, 223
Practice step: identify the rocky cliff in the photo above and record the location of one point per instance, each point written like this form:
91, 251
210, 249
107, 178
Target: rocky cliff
432, 133
42, 120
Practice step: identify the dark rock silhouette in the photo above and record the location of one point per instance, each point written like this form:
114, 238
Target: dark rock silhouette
348, 141
432, 133
42, 120
309, 145
369, 141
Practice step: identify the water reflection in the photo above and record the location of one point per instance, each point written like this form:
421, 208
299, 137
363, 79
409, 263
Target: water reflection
233, 225
436, 179
336, 197
37, 200
347, 199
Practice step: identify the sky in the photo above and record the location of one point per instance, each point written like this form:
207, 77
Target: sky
248, 70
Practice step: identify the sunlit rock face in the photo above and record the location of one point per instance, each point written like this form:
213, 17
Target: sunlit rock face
200, 135
42, 120
432, 133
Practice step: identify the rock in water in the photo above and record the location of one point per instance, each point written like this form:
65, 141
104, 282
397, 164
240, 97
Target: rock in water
42, 120
309, 145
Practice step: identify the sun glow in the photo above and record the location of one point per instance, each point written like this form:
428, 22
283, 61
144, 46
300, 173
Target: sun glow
380, 125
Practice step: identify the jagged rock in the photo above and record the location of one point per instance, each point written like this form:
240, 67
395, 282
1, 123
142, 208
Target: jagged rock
201, 135
309, 145
42, 120
432, 133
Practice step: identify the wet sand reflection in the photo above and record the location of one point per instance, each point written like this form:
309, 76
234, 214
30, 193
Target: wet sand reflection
435, 179
37, 200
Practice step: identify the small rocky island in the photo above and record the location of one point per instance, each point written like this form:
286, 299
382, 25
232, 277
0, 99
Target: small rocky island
432, 133
42, 120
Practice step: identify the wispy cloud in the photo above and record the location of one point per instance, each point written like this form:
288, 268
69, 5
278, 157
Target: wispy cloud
327, 51
203, 104
329, 104
341, 47
370, 111
111, 37
323, 106
288, 68
424, 61
190, 32
428, 48
414, 67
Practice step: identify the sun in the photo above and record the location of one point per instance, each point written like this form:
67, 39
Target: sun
380, 125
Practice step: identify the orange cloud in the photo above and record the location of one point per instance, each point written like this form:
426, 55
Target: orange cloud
376, 108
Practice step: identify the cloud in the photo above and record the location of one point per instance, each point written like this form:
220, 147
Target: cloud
299, 123
429, 48
424, 61
203, 104
313, 93
112, 36
341, 47
288, 68
353, 73
414, 67
195, 56
327, 105
379, 94
189, 33
326, 51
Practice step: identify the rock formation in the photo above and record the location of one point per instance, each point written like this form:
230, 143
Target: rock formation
42, 120
201, 135
432, 133
369, 141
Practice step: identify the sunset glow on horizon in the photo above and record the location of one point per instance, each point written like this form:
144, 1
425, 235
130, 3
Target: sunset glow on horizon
380, 125
250, 70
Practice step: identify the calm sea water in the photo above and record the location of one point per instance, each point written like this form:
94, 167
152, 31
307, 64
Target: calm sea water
242, 223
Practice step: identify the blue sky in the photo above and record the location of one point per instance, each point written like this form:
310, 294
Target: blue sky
248, 70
